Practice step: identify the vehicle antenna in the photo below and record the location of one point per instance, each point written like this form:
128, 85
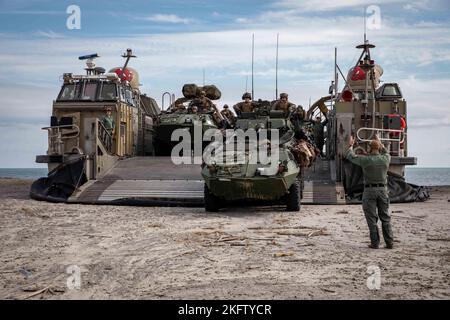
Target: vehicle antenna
253, 59
276, 70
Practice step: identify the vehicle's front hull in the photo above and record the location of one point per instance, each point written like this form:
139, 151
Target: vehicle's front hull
254, 188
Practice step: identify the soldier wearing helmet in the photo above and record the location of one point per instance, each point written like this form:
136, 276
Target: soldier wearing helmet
245, 106
178, 105
319, 135
228, 114
202, 102
283, 104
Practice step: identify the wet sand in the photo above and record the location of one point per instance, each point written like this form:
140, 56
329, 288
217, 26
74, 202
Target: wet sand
241, 253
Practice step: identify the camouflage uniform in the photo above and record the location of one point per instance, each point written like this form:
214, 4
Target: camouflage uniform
319, 134
203, 103
285, 106
300, 113
178, 104
375, 196
245, 106
228, 114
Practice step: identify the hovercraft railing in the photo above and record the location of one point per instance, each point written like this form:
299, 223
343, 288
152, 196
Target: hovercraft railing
394, 135
105, 137
57, 137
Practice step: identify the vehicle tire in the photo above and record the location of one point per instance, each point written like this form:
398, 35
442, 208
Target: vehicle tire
293, 197
212, 203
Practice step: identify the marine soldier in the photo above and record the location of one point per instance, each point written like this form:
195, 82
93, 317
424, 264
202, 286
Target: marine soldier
194, 110
297, 119
203, 103
178, 105
375, 196
245, 106
319, 133
283, 104
299, 113
228, 114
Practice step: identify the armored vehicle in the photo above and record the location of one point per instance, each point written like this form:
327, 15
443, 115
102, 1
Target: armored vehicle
238, 174
185, 114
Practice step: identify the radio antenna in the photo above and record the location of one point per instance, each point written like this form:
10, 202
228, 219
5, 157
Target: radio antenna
276, 70
365, 26
253, 61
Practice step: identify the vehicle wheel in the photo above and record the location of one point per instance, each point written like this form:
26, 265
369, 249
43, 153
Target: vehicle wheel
293, 197
211, 201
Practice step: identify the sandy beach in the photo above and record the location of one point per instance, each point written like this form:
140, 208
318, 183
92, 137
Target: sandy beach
241, 253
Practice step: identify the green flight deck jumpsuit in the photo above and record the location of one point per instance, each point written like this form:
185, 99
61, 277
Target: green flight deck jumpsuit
108, 123
375, 194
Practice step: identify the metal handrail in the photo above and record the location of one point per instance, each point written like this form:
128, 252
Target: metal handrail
399, 140
108, 140
402, 134
66, 126
55, 140
171, 97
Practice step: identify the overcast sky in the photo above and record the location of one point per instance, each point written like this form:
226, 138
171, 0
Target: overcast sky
176, 40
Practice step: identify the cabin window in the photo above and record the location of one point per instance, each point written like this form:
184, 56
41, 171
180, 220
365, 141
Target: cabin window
390, 91
69, 92
122, 94
129, 97
89, 91
108, 92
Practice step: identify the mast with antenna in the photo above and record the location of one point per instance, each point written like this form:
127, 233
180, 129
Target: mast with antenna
276, 70
253, 59
336, 77
203, 76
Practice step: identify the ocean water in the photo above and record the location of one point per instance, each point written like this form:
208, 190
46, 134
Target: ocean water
23, 173
428, 176
419, 176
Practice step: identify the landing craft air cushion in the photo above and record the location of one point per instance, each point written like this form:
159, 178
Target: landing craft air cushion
89, 163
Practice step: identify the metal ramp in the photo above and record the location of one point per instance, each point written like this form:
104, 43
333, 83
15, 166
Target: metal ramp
157, 181
320, 186
146, 181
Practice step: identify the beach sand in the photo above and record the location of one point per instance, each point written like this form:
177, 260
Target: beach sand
241, 253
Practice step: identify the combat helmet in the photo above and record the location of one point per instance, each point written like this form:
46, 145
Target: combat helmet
247, 95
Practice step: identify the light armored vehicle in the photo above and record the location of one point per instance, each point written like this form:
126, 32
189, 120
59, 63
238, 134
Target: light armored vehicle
187, 114
238, 174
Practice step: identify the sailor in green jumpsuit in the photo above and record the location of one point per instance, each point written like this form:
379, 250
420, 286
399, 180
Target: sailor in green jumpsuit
375, 196
108, 121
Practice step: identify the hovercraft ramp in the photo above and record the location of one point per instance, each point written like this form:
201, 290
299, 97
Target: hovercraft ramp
157, 181
320, 186
145, 181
